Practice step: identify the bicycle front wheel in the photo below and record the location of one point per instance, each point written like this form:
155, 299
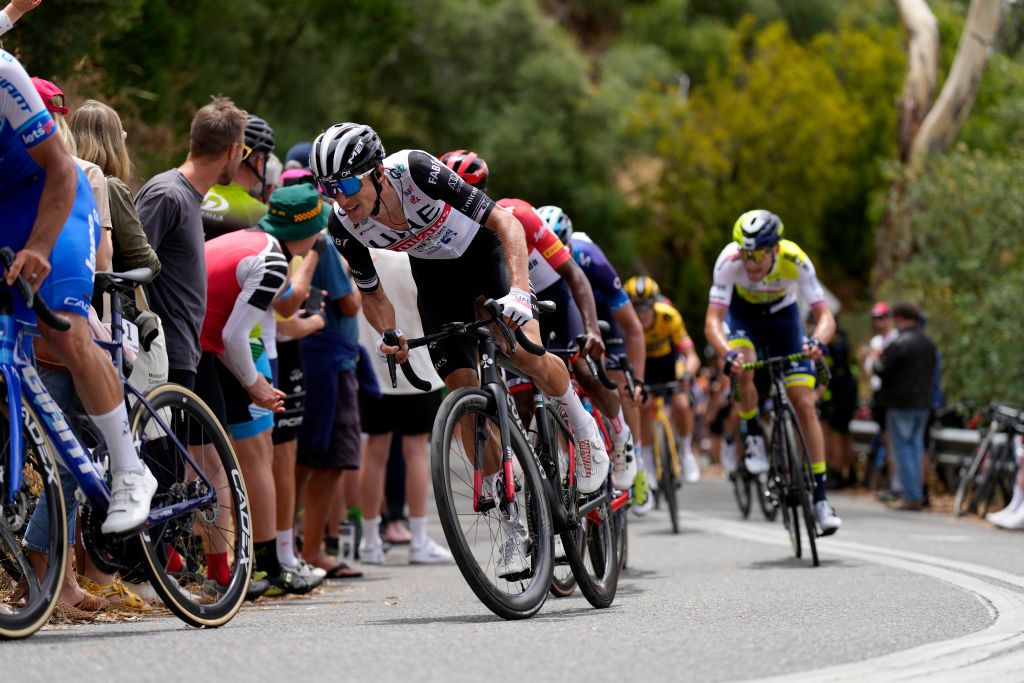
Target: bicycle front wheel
26, 599
504, 550
668, 483
803, 480
199, 557
741, 492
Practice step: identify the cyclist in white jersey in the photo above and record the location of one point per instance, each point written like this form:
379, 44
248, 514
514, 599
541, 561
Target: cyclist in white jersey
461, 252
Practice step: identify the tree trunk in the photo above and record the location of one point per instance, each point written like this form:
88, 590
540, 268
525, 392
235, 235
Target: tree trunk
940, 127
922, 70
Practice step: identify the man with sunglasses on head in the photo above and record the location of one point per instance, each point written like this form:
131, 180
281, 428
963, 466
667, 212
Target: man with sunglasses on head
754, 295
461, 252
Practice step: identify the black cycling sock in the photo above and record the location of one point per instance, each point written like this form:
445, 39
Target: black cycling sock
751, 427
819, 487
266, 557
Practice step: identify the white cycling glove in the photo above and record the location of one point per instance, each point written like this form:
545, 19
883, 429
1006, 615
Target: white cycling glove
516, 306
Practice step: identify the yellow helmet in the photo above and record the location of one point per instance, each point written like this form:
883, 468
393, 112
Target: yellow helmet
642, 290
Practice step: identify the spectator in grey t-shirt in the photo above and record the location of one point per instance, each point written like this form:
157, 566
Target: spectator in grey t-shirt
168, 207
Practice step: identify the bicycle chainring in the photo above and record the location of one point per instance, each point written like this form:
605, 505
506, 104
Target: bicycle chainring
106, 552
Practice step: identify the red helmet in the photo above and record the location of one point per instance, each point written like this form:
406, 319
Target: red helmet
468, 166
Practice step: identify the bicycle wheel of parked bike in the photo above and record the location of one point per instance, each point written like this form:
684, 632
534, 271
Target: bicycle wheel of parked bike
27, 600
741, 491
466, 424
971, 478
200, 558
668, 483
801, 481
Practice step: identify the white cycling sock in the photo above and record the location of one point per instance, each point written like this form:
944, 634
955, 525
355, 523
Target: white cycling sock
418, 527
1018, 499
620, 430
286, 548
582, 423
647, 460
118, 435
371, 531
687, 443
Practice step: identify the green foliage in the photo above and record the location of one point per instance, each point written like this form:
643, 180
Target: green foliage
967, 270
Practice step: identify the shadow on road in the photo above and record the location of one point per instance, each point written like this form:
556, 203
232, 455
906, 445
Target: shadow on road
796, 563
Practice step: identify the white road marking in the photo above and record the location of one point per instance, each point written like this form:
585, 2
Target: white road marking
993, 653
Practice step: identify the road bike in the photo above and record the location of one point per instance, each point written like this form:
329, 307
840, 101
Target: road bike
479, 437
790, 482
666, 454
989, 474
200, 503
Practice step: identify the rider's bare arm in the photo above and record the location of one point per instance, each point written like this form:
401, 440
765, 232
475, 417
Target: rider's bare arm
514, 243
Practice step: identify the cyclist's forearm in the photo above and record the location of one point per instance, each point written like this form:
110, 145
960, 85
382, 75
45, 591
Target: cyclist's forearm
713, 330
824, 324
378, 310
513, 242
582, 294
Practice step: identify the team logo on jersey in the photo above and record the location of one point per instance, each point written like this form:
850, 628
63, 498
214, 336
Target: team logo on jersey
435, 171
39, 132
214, 203
16, 95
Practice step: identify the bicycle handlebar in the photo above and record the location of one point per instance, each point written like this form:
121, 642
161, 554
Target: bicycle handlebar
823, 373
36, 303
596, 369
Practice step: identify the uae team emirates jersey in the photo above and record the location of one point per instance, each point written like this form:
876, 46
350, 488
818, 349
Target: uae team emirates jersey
444, 214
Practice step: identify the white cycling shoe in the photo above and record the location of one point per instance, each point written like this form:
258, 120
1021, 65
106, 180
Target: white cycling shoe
559, 548
591, 464
691, 470
512, 560
828, 521
727, 456
130, 496
623, 466
1008, 519
756, 460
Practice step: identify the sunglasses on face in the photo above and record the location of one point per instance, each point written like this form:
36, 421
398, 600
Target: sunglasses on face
756, 255
347, 186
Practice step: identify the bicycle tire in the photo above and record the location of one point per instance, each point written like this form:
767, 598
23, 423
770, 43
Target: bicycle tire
668, 475
741, 492
465, 402
805, 481
563, 580
40, 476
781, 472
764, 500
185, 593
622, 538
969, 479
991, 480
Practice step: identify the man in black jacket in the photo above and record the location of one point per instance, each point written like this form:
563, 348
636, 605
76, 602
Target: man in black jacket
907, 370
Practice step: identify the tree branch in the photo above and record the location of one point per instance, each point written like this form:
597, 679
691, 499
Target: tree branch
922, 70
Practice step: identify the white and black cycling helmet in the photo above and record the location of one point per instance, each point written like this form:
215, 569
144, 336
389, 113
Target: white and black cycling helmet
345, 150
757, 229
557, 221
259, 136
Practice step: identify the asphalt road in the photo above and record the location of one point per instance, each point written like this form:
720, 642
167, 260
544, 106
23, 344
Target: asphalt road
898, 596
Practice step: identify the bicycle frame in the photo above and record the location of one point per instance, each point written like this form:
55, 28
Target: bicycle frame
18, 369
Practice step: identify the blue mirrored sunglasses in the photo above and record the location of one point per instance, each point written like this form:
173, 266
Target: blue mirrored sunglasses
347, 186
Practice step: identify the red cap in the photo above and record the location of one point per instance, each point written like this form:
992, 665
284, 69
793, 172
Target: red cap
48, 91
880, 310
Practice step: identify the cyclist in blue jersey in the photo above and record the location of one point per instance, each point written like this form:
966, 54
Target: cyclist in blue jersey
625, 336
50, 221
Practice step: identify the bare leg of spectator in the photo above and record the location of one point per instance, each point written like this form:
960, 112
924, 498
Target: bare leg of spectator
284, 484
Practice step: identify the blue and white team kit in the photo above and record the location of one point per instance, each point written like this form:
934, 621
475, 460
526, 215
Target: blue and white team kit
25, 123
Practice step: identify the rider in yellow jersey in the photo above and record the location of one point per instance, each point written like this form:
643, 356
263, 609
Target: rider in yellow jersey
670, 357
753, 306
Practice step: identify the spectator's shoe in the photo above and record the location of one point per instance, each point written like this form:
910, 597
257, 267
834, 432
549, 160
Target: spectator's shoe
287, 582
372, 553
130, 496
756, 460
904, 505
889, 496
431, 552
727, 456
623, 465
591, 464
314, 576
559, 548
642, 498
258, 585
1012, 520
691, 470
512, 560
828, 522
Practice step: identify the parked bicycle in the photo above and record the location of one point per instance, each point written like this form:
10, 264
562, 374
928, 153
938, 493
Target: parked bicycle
989, 474
501, 536
200, 505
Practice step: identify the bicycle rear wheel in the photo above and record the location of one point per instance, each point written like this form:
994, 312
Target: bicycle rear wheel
27, 600
185, 553
668, 474
478, 539
561, 496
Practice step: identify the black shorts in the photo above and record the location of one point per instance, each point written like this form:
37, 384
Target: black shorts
839, 409
407, 414
559, 330
661, 369
222, 392
614, 338
448, 291
291, 381
343, 452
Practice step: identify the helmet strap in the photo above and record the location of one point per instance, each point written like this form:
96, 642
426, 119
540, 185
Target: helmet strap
262, 177
376, 186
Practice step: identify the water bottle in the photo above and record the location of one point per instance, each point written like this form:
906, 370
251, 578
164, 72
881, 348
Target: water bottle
347, 543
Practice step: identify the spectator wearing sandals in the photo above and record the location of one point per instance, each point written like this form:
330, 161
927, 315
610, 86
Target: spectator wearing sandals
907, 369
329, 443
404, 409
168, 207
